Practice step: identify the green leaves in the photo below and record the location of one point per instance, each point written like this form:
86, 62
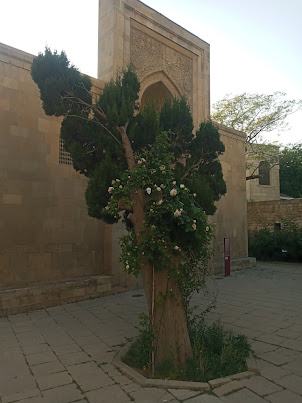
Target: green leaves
291, 170
255, 114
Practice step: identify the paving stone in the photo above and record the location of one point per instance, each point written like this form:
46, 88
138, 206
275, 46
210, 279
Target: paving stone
35, 349
53, 380
67, 348
74, 358
89, 376
47, 368
243, 396
151, 395
271, 339
272, 372
132, 387
108, 394
260, 347
261, 386
122, 380
274, 357
292, 382
214, 383
205, 398
183, 394
41, 358
284, 396
21, 395
293, 344
289, 334
62, 394
293, 366
17, 384
228, 388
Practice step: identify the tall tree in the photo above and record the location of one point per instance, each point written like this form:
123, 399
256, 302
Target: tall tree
153, 168
291, 170
256, 114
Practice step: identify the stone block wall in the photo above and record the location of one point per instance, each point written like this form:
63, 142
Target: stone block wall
268, 213
46, 234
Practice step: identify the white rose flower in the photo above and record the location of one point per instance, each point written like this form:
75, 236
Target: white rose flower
207, 229
182, 186
149, 190
177, 213
127, 267
110, 189
160, 202
158, 189
194, 194
117, 180
194, 226
173, 192
176, 247
162, 168
162, 186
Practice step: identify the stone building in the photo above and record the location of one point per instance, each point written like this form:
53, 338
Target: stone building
50, 249
267, 186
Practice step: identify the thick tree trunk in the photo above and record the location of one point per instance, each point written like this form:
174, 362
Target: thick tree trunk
172, 341
165, 300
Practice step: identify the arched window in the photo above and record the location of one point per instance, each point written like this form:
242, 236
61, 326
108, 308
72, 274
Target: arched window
264, 173
156, 93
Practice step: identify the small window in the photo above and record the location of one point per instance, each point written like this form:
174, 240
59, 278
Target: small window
64, 156
277, 226
264, 173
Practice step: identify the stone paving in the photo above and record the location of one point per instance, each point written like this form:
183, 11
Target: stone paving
64, 354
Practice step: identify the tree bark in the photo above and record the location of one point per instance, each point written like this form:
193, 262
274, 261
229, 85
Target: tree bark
172, 341
165, 300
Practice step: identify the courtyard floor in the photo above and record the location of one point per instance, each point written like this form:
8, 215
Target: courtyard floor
64, 354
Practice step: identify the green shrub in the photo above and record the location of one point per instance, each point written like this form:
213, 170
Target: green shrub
216, 353
281, 245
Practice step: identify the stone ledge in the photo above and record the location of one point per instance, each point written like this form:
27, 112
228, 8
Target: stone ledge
39, 296
170, 384
236, 264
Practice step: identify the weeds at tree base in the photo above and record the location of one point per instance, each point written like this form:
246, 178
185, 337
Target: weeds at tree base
217, 353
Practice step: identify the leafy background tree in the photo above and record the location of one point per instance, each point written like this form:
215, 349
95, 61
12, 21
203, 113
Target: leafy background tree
291, 170
256, 115
152, 167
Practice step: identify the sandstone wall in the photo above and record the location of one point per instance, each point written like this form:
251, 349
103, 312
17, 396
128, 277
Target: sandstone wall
46, 234
267, 213
231, 215
256, 192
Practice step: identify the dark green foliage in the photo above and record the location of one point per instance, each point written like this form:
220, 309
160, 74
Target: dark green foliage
55, 78
280, 245
119, 98
95, 144
139, 354
176, 118
216, 353
207, 182
291, 170
143, 131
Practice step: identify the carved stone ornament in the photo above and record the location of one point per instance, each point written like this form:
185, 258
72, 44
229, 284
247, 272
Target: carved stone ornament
149, 56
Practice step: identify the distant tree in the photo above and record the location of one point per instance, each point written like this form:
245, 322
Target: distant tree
291, 170
256, 114
164, 178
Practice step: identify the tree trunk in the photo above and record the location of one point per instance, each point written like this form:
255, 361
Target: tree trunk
172, 341
165, 301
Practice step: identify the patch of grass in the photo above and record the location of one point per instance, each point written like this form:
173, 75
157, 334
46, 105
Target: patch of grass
217, 352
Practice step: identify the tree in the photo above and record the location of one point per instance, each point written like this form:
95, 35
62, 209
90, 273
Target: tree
291, 170
256, 114
142, 164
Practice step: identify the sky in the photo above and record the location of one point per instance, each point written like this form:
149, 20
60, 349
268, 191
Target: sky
256, 45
